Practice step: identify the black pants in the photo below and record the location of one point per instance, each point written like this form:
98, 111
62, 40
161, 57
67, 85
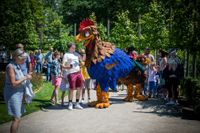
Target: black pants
172, 87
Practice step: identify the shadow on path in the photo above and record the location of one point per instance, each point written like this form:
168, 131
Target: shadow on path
155, 106
158, 106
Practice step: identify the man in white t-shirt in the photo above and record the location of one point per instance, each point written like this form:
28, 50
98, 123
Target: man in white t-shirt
151, 58
72, 66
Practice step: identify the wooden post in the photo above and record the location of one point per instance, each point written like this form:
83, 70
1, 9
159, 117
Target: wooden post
139, 32
187, 62
194, 65
74, 29
108, 27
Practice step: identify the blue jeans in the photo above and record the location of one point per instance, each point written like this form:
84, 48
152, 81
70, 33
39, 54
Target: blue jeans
152, 87
48, 73
38, 67
145, 87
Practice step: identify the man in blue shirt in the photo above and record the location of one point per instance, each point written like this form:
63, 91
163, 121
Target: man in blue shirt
39, 58
26, 66
48, 60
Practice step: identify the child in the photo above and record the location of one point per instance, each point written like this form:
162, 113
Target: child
157, 76
88, 82
64, 86
56, 76
152, 79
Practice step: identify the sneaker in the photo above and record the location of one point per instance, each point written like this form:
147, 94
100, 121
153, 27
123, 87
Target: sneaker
82, 101
78, 106
70, 107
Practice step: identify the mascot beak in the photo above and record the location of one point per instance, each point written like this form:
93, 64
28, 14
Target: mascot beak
78, 38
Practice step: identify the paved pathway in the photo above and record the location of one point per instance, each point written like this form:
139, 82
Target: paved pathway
137, 117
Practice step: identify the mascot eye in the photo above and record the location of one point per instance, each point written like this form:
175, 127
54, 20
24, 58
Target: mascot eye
87, 33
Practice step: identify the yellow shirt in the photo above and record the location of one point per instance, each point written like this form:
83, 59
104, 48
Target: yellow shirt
84, 71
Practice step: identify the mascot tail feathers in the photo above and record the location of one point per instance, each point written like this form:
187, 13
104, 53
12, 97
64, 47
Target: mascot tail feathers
138, 65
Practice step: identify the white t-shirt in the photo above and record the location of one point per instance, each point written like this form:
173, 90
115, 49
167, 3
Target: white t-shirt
71, 59
163, 63
152, 75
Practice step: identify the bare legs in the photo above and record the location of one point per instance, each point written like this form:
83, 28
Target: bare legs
62, 98
15, 125
71, 93
88, 93
54, 97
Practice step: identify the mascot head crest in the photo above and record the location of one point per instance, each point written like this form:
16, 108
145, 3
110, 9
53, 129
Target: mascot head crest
85, 23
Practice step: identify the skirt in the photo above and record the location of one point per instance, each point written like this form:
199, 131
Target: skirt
15, 105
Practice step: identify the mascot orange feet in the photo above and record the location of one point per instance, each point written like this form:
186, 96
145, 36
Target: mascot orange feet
137, 95
129, 97
102, 99
105, 101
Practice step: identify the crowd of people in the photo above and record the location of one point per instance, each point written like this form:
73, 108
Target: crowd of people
67, 72
163, 76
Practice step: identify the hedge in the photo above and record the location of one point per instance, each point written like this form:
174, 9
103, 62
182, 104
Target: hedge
190, 88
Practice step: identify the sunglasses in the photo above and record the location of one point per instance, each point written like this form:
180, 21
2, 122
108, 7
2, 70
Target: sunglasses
20, 54
20, 47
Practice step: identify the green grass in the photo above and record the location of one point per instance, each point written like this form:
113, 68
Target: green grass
41, 100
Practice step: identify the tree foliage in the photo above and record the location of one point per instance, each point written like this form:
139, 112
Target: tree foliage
185, 25
153, 23
101, 28
18, 24
154, 27
123, 34
33, 23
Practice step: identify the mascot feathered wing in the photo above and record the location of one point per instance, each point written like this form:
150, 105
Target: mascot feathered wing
107, 64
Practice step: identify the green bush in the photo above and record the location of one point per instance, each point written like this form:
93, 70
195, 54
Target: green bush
191, 90
37, 81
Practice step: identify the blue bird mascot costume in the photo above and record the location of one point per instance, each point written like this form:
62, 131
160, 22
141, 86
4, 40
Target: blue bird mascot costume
109, 66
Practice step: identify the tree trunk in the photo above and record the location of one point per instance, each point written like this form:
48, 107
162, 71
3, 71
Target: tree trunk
74, 29
108, 27
194, 65
139, 31
40, 38
187, 62
184, 61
